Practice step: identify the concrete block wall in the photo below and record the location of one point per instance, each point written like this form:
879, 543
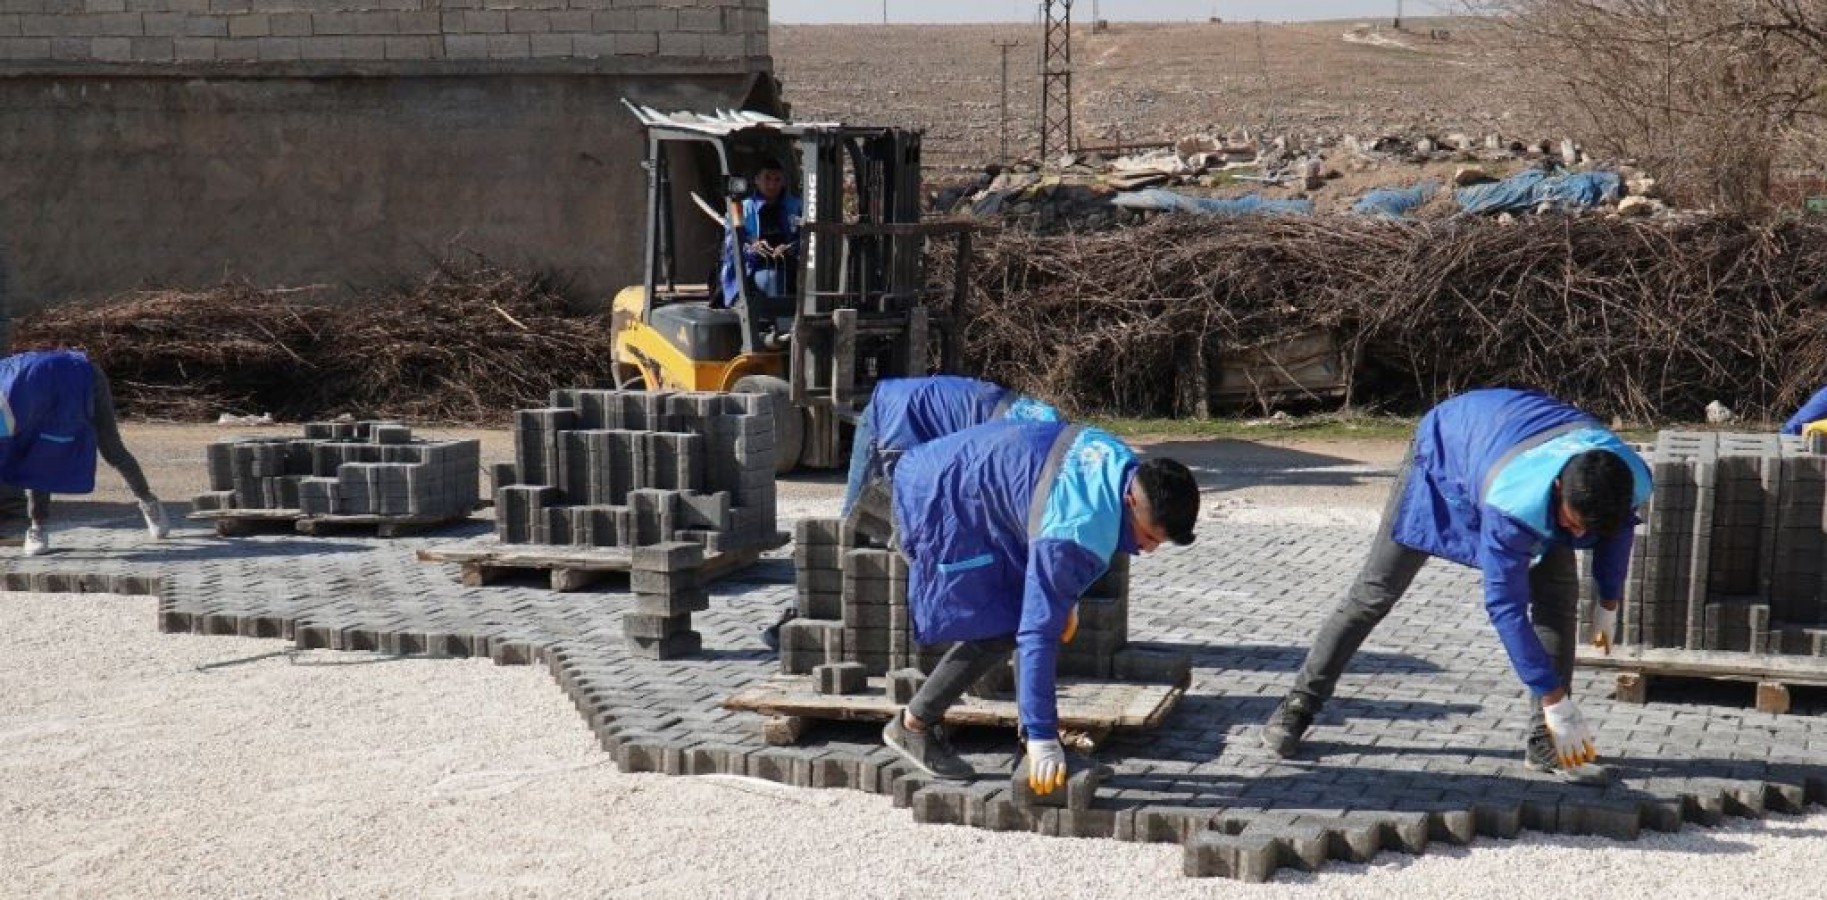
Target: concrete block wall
289, 31
639, 468
344, 468
1732, 552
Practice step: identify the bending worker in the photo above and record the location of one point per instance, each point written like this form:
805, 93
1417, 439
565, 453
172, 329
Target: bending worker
1815, 410
904, 413
56, 412
1508, 482
1004, 526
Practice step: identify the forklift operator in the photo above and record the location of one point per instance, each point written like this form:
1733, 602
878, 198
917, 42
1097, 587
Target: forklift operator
770, 225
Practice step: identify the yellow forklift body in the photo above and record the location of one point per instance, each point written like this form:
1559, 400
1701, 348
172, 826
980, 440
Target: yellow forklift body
663, 365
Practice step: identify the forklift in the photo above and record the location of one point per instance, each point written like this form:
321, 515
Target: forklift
857, 307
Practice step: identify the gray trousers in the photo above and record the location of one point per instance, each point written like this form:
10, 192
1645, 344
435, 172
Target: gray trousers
1553, 608
112, 449
960, 668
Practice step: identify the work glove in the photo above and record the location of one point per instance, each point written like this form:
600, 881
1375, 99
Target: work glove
1573, 738
1604, 625
1046, 766
1066, 636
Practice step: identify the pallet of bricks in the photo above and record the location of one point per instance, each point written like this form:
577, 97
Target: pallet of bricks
852, 606
1727, 570
340, 473
672, 488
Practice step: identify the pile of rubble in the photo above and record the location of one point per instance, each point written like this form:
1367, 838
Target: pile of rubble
1244, 174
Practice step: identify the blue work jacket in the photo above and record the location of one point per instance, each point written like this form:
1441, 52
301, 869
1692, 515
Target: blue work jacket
904, 413
1813, 411
1004, 526
46, 441
733, 243
1479, 494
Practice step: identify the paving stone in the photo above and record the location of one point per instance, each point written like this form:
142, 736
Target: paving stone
1240, 605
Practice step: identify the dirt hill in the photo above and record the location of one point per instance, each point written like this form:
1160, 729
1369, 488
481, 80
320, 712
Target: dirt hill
1153, 82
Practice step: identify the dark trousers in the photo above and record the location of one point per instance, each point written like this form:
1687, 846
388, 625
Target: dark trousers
1553, 608
112, 449
960, 668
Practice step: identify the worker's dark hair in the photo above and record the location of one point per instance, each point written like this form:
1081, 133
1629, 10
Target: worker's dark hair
770, 165
1173, 497
1599, 485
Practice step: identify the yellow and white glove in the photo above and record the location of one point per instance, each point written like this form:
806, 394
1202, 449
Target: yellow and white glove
1573, 738
1604, 625
1046, 766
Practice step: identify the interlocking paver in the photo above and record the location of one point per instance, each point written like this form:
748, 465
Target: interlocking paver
1422, 744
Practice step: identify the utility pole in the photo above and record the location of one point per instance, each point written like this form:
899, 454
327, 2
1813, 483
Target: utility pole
1398, 15
885, 13
1005, 47
1055, 79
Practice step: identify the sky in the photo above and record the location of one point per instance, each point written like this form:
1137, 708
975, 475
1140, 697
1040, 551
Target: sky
1114, 10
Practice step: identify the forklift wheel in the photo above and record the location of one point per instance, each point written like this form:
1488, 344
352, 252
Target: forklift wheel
789, 421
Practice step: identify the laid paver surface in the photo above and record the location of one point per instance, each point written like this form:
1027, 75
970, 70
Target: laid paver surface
1422, 743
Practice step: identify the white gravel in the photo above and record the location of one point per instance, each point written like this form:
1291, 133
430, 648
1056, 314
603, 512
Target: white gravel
138, 764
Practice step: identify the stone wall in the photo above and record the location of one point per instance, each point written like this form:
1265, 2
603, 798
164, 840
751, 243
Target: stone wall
198, 31
172, 143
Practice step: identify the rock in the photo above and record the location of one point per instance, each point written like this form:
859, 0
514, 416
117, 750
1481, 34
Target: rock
1643, 186
1570, 153
1425, 146
1506, 219
1466, 176
1718, 413
1640, 207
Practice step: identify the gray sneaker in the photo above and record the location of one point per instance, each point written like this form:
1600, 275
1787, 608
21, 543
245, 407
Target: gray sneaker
1538, 756
928, 750
1288, 724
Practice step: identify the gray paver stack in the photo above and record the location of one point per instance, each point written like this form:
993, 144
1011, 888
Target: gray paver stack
637, 468
1733, 550
852, 605
344, 469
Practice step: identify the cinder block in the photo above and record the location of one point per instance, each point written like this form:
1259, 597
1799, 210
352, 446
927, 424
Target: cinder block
1245, 857
1082, 781
840, 678
668, 557
675, 646
646, 626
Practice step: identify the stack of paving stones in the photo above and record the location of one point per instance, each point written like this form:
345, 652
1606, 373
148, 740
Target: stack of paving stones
852, 606
1732, 553
637, 468
1420, 748
344, 469
667, 590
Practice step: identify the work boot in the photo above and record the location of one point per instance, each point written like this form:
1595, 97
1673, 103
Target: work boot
1288, 724
158, 527
928, 750
1538, 756
770, 636
37, 542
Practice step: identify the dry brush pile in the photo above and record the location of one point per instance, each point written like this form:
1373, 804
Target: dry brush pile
468, 343
1644, 320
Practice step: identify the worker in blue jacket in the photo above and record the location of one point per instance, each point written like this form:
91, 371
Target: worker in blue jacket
1813, 411
904, 413
56, 413
1508, 482
1004, 526
771, 220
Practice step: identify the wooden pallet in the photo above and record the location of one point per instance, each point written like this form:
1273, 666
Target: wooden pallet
1773, 675
1089, 709
487, 560
240, 522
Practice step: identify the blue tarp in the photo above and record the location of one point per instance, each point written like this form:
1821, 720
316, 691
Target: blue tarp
1254, 204
1396, 203
1524, 191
